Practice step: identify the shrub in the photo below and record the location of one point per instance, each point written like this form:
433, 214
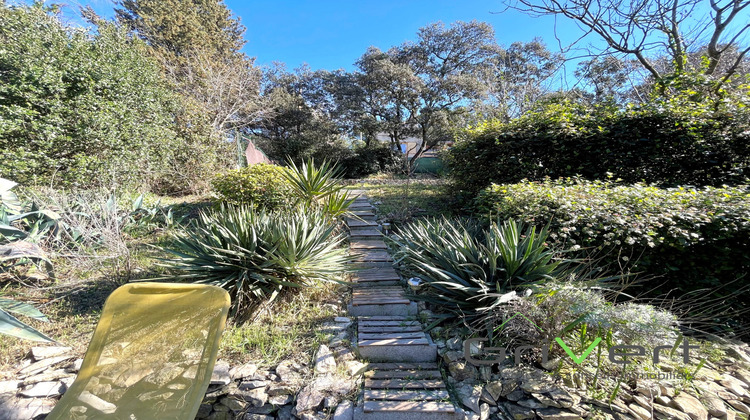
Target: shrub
667, 143
260, 185
365, 161
468, 270
255, 254
693, 238
319, 188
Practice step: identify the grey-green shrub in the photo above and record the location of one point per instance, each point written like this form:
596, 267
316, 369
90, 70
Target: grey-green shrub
261, 185
254, 254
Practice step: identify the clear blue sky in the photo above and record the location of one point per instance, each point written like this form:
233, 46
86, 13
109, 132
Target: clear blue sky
332, 34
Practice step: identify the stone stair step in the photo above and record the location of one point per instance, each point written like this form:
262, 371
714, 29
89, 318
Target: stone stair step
421, 406
375, 330
389, 335
371, 256
391, 395
387, 318
368, 284
403, 374
403, 366
381, 308
386, 273
353, 223
394, 342
377, 323
404, 384
368, 245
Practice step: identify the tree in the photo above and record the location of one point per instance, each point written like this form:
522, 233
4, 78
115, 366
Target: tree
418, 88
82, 109
610, 79
520, 76
648, 29
175, 27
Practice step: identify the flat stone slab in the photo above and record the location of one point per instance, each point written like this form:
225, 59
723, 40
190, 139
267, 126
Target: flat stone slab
365, 244
421, 406
375, 308
366, 329
380, 273
366, 234
352, 223
390, 335
394, 342
404, 384
372, 256
403, 366
391, 395
403, 374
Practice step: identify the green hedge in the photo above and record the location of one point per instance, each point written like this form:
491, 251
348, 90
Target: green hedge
667, 143
261, 185
694, 238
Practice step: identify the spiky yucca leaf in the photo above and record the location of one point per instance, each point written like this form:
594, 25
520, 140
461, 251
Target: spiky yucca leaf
468, 270
254, 254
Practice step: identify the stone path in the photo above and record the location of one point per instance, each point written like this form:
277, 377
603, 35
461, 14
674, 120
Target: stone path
402, 381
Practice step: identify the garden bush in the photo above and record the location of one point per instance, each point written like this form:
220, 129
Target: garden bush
690, 238
255, 254
469, 270
261, 185
668, 143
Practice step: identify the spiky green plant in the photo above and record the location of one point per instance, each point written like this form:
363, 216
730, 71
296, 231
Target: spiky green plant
469, 270
10, 325
255, 254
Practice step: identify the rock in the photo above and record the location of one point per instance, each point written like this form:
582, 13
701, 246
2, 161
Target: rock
670, 412
715, 406
641, 412
355, 368
324, 360
97, 403
330, 402
739, 406
245, 385
233, 403
245, 371
452, 356
8, 387
501, 388
220, 374
287, 371
690, 406
535, 382
285, 413
204, 410
666, 390
462, 371
518, 412
484, 411
75, 366
485, 373
558, 398
220, 415
252, 416
280, 388
345, 411
469, 396
551, 365
343, 354
516, 395
454, 343
309, 399
280, 399
263, 409
52, 375
556, 414
342, 320
530, 403
734, 385
24, 408
45, 390
41, 365
256, 396
39, 353
738, 352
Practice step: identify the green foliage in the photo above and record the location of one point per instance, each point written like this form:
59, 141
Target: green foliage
319, 187
693, 238
470, 270
80, 108
255, 254
10, 325
260, 185
672, 142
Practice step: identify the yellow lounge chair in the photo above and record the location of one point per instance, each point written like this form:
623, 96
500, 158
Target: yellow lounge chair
151, 356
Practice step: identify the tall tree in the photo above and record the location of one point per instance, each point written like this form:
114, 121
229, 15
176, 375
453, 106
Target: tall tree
175, 27
646, 30
418, 87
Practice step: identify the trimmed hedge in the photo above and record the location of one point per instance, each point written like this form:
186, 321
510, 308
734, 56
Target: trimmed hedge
694, 238
666, 143
261, 185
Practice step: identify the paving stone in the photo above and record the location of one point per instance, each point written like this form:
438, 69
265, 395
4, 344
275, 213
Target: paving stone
44, 352
45, 390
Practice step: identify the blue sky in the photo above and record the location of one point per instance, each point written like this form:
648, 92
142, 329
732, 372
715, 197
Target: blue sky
332, 34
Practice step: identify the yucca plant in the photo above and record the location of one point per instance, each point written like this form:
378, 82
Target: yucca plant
255, 254
469, 270
10, 325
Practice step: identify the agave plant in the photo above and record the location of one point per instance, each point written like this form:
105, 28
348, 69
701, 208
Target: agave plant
470, 270
10, 325
254, 254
